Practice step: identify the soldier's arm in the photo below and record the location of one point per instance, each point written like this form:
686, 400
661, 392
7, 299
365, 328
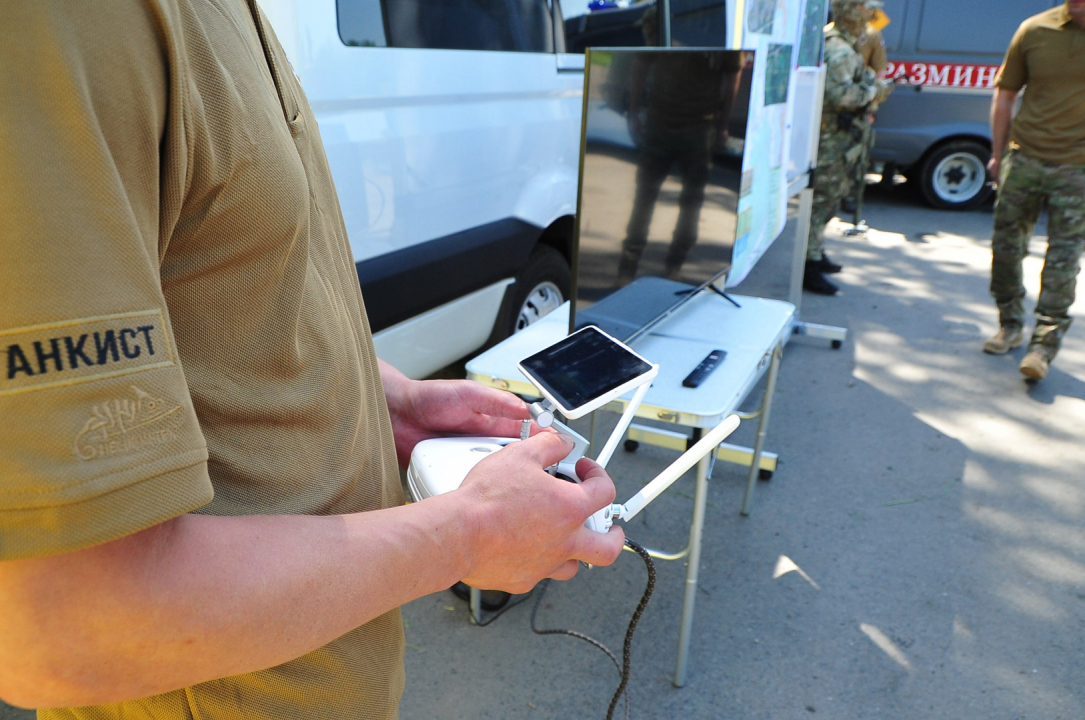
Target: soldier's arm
1012, 77
1001, 117
842, 92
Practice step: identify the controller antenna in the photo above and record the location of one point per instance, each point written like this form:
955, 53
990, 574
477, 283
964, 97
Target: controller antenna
676, 469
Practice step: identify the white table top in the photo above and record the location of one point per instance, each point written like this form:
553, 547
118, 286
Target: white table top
708, 322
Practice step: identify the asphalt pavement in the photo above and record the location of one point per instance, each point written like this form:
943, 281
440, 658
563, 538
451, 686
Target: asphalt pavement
920, 552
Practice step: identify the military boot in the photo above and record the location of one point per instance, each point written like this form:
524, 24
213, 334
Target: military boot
1007, 338
1035, 363
827, 266
813, 281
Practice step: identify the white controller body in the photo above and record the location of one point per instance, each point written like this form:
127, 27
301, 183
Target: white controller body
440, 465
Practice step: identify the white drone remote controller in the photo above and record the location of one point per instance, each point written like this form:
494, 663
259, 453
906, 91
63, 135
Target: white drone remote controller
575, 376
440, 465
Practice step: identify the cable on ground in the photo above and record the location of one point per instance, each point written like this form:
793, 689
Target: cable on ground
623, 666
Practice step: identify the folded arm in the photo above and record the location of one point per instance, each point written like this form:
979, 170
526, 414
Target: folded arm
843, 91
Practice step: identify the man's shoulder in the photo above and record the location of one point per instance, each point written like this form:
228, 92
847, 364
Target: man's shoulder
835, 33
1054, 19
838, 40
838, 46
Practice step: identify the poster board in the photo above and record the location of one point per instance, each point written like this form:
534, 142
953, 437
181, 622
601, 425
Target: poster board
809, 82
772, 28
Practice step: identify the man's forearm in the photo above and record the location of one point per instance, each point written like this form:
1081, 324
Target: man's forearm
1001, 118
204, 597
394, 382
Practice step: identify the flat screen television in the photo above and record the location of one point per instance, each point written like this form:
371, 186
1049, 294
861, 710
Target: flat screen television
663, 138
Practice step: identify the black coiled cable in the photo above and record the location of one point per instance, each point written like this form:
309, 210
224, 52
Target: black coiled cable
623, 667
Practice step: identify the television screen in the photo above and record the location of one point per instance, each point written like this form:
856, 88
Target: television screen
661, 176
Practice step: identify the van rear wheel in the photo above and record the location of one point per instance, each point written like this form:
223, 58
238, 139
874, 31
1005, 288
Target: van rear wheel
954, 176
541, 287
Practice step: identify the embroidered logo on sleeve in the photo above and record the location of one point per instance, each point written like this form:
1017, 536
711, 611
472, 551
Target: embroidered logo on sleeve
75, 351
124, 425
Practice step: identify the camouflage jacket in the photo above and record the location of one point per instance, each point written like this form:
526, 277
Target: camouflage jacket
849, 84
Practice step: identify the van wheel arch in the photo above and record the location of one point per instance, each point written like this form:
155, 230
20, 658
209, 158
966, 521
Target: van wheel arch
542, 284
560, 237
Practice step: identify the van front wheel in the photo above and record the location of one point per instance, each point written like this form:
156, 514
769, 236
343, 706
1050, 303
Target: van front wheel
954, 176
542, 286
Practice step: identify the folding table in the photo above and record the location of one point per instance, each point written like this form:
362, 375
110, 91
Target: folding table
753, 334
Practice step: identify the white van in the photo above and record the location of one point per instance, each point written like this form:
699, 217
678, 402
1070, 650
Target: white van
452, 129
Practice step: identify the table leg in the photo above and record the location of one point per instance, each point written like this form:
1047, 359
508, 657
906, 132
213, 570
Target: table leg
476, 606
798, 254
762, 427
700, 499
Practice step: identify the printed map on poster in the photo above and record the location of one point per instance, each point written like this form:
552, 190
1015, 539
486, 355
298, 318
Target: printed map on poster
771, 28
812, 40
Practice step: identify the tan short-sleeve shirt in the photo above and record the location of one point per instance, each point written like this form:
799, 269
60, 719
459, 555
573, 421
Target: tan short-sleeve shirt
180, 318
1047, 58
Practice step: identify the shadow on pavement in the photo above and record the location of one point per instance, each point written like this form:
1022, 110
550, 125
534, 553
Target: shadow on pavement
1057, 384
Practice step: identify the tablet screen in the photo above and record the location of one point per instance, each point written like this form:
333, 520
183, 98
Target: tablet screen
583, 367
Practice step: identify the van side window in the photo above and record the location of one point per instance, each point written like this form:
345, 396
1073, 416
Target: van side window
893, 33
694, 23
361, 23
991, 22
503, 25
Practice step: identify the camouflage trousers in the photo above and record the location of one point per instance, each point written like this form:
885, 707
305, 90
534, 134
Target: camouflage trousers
839, 152
1028, 186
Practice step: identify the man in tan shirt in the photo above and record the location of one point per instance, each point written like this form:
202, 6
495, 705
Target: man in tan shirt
200, 508
1044, 168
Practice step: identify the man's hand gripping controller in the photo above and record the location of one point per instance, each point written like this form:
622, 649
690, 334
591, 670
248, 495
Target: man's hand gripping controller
441, 464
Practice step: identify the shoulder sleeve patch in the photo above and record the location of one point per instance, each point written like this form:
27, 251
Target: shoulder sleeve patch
76, 351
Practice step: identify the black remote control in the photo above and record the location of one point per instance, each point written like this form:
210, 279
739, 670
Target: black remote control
710, 363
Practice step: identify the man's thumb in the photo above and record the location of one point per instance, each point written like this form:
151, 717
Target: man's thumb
547, 448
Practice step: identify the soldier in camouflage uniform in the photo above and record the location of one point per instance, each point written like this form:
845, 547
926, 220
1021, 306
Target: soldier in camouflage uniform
872, 47
850, 87
1045, 167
